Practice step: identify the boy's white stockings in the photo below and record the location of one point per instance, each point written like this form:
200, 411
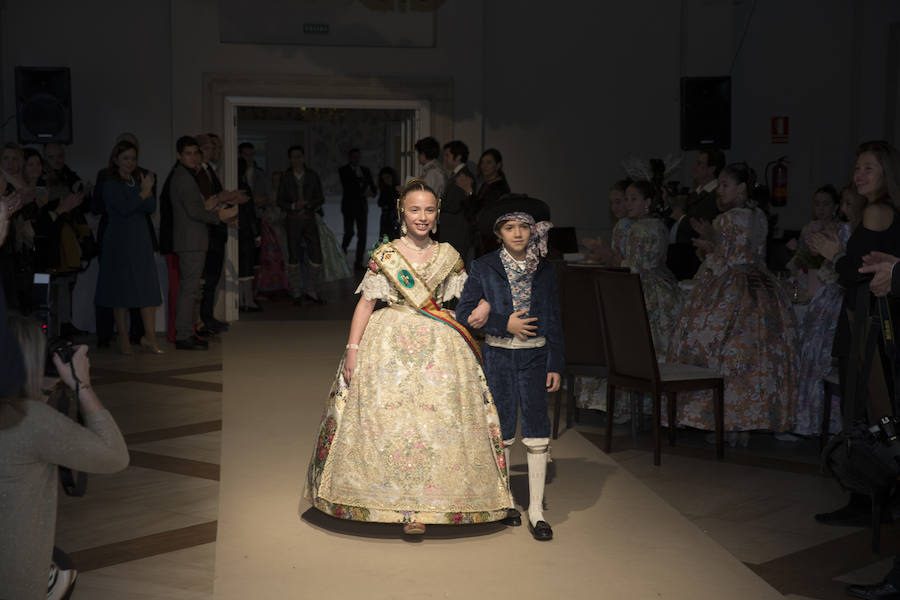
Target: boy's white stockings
537, 454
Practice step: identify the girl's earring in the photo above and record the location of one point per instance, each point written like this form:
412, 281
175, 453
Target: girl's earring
402, 228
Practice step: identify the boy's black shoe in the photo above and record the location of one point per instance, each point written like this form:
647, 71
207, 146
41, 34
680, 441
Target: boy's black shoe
191, 343
541, 531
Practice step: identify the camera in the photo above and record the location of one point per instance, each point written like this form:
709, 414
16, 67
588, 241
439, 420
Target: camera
66, 401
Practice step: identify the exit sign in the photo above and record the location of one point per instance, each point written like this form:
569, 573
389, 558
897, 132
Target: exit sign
316, 28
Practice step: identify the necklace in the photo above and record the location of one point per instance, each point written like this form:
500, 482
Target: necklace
130, 182
409, 244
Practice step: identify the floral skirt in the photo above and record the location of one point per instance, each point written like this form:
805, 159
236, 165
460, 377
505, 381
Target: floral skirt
740, 324
415, 435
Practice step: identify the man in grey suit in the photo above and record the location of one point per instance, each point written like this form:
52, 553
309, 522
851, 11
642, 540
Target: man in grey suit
190, 216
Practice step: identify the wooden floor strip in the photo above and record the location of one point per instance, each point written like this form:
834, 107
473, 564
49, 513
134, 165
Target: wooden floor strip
810, 572
155, 435
143, 547
173, 464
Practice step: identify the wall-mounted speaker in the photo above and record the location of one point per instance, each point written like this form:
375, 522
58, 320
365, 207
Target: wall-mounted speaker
43, 105
705, 112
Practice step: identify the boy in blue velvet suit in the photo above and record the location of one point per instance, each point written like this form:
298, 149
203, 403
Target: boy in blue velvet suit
511, 296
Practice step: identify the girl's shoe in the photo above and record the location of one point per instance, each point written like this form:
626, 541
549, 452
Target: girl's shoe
414, 528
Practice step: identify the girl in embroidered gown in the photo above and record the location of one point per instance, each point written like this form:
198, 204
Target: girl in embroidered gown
738, 320
590, 392
818, 328
643, 240
410, 433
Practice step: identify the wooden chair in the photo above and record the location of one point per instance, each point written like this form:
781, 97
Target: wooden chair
631, 359
581, 328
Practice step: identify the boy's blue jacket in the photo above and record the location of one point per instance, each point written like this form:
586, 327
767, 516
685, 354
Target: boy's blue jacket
487, 279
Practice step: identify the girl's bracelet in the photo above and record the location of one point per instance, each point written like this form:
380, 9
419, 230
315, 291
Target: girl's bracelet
352, 346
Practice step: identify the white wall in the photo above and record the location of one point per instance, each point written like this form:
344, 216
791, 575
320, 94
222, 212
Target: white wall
568, 90
118, 53
197, 50
570, 93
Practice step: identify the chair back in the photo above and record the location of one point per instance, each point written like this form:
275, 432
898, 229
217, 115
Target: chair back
580, 318
630, 356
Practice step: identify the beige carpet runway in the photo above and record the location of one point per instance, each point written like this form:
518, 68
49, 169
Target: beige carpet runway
614, 538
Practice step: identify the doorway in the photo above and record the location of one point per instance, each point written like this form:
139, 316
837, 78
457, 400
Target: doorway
383, 130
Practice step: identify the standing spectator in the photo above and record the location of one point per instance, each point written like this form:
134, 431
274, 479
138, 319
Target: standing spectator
388, 192
103, 314
357, 183
300, 196
272, 277
427, 151
493, 187
698, 214
69, 228
127, 276
455, 225
166, 230
191, 213
10, 177
12, 369
248, 228
210, 185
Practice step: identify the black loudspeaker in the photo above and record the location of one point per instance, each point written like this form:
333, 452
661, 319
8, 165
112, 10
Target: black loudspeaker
705, 112
43, 105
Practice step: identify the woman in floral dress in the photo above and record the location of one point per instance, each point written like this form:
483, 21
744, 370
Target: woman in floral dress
817, 331
410, 433
738, 321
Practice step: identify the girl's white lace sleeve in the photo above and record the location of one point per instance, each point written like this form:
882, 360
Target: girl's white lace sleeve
452, 286
375, 286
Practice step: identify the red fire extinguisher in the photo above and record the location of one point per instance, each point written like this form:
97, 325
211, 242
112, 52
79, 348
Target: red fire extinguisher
779, 182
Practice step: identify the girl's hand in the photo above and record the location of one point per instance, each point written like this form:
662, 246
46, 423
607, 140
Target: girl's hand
703, 228
147, 182
479, 316
704, 246
349, 364
553, 381
825, 244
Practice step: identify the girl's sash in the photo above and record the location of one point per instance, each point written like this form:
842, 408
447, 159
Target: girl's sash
415, 289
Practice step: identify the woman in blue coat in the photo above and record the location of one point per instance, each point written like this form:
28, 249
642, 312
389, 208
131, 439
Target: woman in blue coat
511, 296
127, 277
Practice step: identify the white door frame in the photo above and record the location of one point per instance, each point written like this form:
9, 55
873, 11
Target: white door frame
421, 128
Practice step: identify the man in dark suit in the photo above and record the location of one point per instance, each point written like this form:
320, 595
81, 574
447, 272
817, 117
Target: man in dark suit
191, 214
699, 212
357, 182
300, 196
455, 220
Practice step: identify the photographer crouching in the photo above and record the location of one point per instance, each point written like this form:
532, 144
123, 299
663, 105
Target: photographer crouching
35, 440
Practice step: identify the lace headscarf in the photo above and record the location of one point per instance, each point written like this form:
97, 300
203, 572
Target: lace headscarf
537, 243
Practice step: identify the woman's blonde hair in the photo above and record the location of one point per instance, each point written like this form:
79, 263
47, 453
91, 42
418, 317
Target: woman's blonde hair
33, 345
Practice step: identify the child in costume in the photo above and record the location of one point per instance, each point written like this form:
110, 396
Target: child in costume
511, 296
410, 434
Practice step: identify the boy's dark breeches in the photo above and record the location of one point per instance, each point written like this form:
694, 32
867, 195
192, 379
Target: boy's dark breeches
518, 381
